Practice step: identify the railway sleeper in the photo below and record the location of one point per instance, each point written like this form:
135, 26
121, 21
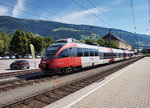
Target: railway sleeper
68, 89
73, 88
49, 96
46, 99
19, 106
60, 91
35, 103
56, 96
80, 85
41, 100
61, 94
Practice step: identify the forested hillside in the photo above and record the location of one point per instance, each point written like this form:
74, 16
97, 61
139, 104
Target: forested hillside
61, 30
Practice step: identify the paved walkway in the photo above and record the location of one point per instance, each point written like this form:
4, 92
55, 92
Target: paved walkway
127, 88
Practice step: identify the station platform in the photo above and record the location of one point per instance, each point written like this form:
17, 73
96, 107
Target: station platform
126, 88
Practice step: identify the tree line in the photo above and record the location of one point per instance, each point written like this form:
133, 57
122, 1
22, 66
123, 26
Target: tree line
19, 43
100, 41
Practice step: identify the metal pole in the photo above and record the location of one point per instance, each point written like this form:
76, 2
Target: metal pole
110, 38
91, 27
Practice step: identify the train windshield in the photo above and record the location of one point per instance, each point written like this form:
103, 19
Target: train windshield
51, 51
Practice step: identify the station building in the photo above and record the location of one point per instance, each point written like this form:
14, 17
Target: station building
121, 44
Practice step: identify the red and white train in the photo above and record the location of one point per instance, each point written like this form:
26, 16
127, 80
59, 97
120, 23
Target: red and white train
71, 54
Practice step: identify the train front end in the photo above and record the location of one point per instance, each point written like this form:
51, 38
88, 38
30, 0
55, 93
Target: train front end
47, 64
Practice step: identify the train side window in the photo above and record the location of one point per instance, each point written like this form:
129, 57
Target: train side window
96, 52
64, 53
109, 55
114, 55
79, 52
92, 52
100, 55
124, 54
105, 55
86, 52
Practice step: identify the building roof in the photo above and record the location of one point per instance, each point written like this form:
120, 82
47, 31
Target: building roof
114, 37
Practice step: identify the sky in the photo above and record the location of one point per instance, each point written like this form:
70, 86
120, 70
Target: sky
103, 13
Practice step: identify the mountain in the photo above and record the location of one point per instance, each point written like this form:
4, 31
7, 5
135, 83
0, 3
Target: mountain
61, 30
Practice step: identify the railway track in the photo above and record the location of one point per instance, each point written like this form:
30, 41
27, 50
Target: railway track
47, 97
17, 73
13, 84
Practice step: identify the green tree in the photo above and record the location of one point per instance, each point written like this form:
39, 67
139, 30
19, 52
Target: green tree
1, 46
106, 43
101, 42
4, 38
39, 44
113, 44
48, 41
19, 43
87, 41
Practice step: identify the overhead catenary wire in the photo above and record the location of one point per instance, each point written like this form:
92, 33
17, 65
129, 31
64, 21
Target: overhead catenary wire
149, 10
148, 15
103, 13
35, 5
91, 13
26, 12
133, 18
20, 9
45, 9
133, 15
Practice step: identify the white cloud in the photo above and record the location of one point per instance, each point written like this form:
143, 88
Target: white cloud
81, 17
146, 32
3, 10
19, 5
116, 2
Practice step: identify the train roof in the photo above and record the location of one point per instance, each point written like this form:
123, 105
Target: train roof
80, 44
68, 40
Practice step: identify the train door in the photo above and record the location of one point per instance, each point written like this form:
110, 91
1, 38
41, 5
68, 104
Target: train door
73, 56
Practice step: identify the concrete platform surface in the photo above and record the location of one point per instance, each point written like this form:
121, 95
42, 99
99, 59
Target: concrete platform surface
126, 88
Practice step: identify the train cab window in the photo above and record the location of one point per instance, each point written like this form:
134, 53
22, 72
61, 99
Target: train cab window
79, 52
86, 52
64, 53
92, 52
72, 52
51, 51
